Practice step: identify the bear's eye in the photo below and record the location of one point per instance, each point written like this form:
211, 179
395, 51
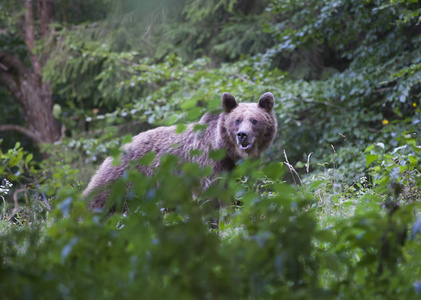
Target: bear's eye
254, 122
237, 122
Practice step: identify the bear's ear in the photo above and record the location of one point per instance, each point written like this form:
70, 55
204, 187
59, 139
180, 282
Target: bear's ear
266, 101
228, 102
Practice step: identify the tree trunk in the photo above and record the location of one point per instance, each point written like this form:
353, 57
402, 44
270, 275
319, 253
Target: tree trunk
37, 103
35, 97
25, 84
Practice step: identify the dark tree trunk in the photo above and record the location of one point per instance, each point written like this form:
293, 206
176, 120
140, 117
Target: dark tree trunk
26, 84
37, 105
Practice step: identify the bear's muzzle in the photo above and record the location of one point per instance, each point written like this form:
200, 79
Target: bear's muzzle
243, 140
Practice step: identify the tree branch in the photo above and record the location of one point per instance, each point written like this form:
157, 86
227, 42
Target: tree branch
323, 103
12, 61
9, 82
29, 25
30, 36
22, 130
385, 89
44, 9
11, 68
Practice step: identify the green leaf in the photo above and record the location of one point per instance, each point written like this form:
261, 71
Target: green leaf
115, 153
172, 120
274, 171
370, 158
214, 104
189, 104
217, 155
369, 148
315, 184
28, 158
195, 152
15, 160
194, 113
180, 128
127, 139
383, 181
56, 111
199, 127
147, 159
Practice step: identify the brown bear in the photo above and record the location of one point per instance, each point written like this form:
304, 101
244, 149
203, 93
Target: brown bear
242, 129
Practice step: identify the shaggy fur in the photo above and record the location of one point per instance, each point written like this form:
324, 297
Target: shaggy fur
243, 129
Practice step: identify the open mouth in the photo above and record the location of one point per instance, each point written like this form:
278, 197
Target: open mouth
245, 146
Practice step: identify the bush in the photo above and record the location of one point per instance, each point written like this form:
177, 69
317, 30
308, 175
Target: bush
279, 243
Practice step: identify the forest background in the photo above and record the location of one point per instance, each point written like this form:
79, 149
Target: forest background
328, 212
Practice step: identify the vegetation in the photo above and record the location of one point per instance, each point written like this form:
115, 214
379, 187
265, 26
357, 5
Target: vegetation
329, 212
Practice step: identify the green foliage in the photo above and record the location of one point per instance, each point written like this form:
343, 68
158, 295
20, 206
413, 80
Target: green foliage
343, 80
277, 244
398, 168
101, 70
16, 164
341, 99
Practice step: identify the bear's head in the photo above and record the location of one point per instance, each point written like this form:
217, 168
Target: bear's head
248, 128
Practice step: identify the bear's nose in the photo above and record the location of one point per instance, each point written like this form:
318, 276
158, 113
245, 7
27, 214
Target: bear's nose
242, 136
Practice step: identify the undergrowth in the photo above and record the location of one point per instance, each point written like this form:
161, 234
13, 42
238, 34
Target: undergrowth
322, 237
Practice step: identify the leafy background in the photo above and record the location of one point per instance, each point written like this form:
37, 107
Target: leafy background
326, 213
